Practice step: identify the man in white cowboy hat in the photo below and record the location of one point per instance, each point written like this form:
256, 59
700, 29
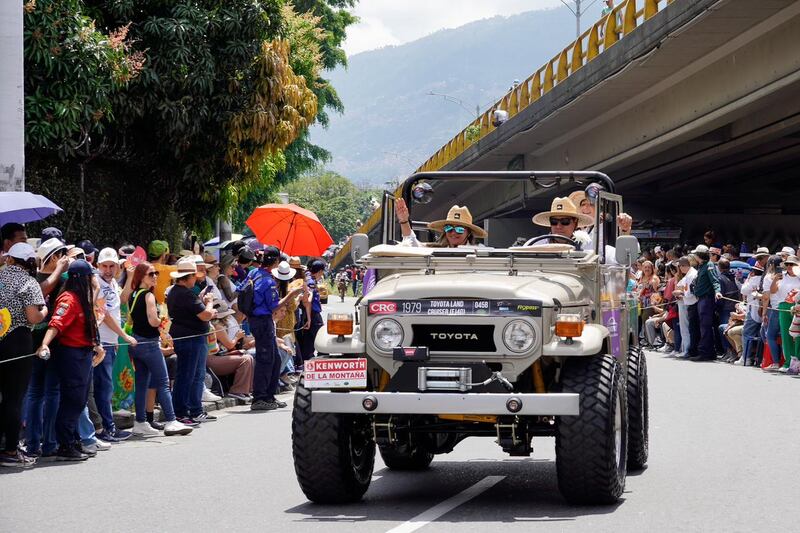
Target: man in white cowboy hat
761, 256
457, 229
563, 219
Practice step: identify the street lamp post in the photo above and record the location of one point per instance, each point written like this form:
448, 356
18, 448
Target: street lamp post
458, 102
580, 8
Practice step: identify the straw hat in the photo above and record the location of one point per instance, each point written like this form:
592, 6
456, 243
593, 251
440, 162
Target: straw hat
294, 262
562, 207
761, 252
459, 216
577, 197
186, 267
222, 309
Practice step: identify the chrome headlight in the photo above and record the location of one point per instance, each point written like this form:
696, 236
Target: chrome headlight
387, 334
518, 336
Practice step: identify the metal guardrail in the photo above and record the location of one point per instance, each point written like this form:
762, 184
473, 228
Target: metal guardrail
602, 35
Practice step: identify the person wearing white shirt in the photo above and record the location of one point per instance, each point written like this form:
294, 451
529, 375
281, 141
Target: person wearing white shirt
784, 292
688, 319
751, 290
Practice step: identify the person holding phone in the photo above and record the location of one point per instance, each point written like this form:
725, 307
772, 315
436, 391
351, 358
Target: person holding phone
190, 316
77, 351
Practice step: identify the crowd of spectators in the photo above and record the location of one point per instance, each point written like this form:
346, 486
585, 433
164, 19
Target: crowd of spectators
716, 302
243, 319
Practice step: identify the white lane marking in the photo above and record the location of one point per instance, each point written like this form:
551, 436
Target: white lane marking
426, 517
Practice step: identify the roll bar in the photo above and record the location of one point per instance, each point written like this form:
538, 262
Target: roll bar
517, 175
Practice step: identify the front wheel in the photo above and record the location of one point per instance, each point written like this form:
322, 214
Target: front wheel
638, 409
334, 454
591, 447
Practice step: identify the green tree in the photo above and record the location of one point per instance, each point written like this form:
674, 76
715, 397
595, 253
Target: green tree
336, 201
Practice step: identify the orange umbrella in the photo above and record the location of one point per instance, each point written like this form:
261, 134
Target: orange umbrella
296, 231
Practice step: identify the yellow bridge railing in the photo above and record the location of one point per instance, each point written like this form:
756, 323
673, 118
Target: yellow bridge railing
602, 35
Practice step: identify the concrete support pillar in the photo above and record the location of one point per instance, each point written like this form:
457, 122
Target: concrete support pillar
12, 118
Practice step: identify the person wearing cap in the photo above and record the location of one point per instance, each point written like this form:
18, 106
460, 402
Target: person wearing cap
784, 286
232, 357
78, 349
157, 252
708, 291
52, 233
22, 305
110, 330
89, 250
311, 322
687, 308
752, 290
786, 251
266, 299
11, 233
190, 324
204, 284
244, 263
456, 230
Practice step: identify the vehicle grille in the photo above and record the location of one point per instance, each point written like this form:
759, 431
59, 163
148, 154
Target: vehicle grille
453, 338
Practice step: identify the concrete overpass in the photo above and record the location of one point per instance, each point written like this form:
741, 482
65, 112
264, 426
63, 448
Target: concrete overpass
690, 105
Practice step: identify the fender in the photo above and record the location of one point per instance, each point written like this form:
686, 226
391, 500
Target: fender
590, 343
325, 343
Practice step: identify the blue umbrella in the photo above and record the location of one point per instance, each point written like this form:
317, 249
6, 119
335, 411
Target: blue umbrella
22, 207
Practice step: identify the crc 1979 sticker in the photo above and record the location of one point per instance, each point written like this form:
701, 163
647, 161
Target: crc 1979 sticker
442, 307
335, 373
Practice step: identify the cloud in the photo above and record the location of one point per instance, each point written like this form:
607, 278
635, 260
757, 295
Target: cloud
391, 22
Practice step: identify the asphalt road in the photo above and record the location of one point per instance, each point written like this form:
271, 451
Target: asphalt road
724, 457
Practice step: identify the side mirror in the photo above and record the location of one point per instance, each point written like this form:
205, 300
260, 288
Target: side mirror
359, 246
627, 250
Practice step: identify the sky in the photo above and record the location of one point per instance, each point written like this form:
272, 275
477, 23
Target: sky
393, 22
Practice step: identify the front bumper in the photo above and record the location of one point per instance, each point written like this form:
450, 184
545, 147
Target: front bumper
411, 403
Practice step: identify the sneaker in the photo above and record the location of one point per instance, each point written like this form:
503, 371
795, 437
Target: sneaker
69, 453
18, 460
173, 427
772, 368
783, 370
107, 437
158, 426
188, 421
122, 435
240, 397
145, 430
209, 396
263, 405
87, 449
204, 417
102, 446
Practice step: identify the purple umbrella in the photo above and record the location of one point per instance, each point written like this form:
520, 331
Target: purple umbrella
22, 207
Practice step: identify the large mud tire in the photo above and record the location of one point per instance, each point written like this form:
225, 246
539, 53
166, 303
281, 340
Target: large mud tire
591, 447
406, 457
638, 409
334, 454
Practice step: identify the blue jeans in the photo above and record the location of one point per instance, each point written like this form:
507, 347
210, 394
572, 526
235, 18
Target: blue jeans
750, 333
187, 392
104, 388
41, 404
151, 372
86, 428
772, 334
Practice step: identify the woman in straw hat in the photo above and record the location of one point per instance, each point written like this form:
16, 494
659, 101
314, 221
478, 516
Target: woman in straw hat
457, 229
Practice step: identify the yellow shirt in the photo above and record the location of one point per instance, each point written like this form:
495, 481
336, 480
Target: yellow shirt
163, 280
287, 325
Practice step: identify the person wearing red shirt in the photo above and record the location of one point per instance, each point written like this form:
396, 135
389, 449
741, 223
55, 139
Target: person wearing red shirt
74, 326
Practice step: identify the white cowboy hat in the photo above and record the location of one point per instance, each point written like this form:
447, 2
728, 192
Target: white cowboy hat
562, 207
283, 271
459, 216
762, 251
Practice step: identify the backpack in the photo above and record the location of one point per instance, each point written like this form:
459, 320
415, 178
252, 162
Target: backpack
245, 299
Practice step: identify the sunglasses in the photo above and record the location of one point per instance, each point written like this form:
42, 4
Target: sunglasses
563, 221
153, 274
458, 229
